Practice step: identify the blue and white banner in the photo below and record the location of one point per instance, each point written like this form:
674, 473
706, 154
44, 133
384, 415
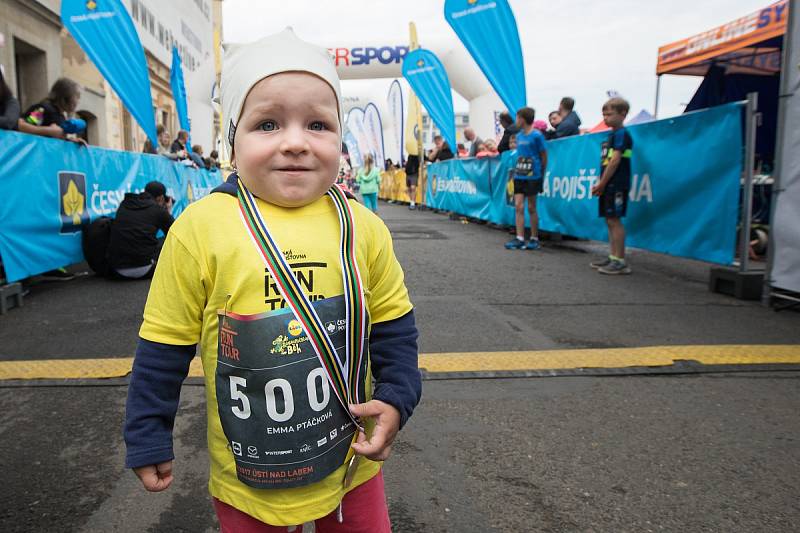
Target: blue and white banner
488, 30
352, 149
396, 109
355, 124
427, 76
373, 126
179, 93
684, 197
52, 188
105, 31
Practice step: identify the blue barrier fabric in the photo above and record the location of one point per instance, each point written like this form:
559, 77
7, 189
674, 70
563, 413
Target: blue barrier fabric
52, 188
684, 192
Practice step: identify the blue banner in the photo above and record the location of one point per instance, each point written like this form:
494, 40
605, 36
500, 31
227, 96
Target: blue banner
179, 93
684, 197
488, 30
105, 31
52, 188
428, 78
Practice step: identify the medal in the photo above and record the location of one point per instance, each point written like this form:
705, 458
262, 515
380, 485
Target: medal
350, 473
345, 377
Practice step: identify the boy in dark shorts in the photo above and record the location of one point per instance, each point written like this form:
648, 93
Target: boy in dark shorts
614, 185
412, 175
528, 179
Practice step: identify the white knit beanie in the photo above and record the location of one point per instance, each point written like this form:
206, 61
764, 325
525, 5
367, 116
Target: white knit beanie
244, 65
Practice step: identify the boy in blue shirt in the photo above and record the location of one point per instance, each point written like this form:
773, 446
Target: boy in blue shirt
614, 185
528, 179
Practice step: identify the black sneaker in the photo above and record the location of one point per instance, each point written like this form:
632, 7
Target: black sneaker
59, 274
600, 263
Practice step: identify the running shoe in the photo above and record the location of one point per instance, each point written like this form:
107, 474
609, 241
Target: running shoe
515, 244
600, 263
533, 244
615, 268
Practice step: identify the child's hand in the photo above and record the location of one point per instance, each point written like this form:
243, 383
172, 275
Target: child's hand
155, 478
387, 423
598, 188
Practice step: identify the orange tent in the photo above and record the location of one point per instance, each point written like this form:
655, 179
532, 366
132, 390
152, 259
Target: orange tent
601, 126
746, 45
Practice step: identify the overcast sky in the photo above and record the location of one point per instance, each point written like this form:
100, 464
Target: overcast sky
580, 48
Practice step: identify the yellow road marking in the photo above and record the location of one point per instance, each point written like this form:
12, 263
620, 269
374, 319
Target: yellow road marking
463, 362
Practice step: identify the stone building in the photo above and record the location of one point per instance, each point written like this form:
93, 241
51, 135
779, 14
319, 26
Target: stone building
35, 50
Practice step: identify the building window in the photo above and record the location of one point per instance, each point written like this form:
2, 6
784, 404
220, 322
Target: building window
135, 9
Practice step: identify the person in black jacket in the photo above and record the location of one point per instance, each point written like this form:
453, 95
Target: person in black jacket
9, 106
442, 151
509, 129
570, 121
133, 247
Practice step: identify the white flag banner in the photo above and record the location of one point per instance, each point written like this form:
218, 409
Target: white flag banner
355, 123
374, 130
395, 101
352, 149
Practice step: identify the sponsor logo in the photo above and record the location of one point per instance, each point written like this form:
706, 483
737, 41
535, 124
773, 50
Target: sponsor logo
72, 195
454, 185
295, 328
385, 55
283, 345
91, 5
237, 448
474, 9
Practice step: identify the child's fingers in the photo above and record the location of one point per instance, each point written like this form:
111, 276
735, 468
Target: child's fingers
155, 478
371, 408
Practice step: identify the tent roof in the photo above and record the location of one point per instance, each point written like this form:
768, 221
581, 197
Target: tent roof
747, 45
641, 116
600, 126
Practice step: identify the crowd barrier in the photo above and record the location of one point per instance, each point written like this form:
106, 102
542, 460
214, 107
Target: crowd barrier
393, 187
684, 193
52, 188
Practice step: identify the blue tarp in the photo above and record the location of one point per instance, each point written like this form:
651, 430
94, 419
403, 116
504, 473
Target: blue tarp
52, 188
684, 192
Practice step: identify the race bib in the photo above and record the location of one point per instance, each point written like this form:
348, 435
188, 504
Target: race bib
524, 166
282, 421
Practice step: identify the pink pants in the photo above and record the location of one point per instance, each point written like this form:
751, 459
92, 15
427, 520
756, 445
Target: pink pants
363, 511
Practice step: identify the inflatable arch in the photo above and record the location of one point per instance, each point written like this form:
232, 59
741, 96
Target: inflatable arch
374, 61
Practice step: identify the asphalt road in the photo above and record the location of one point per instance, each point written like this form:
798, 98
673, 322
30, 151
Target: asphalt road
690, 453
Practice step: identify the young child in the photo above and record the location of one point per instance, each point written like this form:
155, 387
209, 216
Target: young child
296, 298
614, 185
528, 179
369, 181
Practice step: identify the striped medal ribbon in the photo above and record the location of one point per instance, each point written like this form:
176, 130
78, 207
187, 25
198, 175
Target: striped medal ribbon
344, 378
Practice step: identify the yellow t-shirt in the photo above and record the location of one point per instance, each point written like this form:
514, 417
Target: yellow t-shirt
209, 264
